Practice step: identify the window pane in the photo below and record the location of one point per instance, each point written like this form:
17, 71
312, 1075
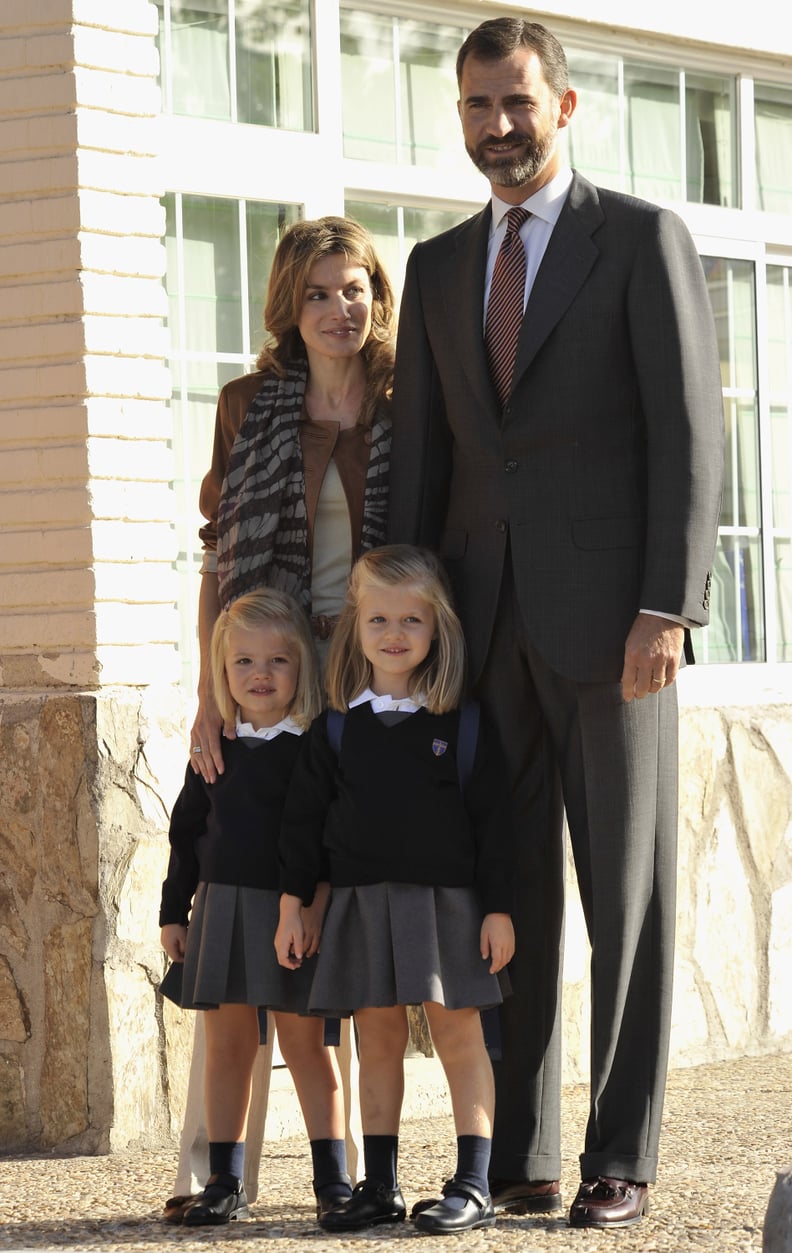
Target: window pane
594, 135
265, 225
425, 223
779, 321
773, 113
417, 126
271, 45
653, 132
431, 134
211, 293
273, 63
710, 140
395, 231
367, 76
736, 631
194, 60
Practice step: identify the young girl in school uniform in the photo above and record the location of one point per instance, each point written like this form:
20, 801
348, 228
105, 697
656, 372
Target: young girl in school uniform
224, 840
420, 871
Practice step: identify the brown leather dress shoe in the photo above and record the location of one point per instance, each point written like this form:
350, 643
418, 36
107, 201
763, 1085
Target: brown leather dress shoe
521, 1196
175, 1207
607, 1202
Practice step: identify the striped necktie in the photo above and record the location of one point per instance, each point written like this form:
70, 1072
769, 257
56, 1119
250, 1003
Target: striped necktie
505, 306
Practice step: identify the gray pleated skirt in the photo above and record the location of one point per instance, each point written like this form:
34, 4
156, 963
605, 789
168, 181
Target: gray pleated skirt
230, 957
402, 944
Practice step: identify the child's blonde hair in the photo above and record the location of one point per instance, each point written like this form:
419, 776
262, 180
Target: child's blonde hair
267, 607
440, 678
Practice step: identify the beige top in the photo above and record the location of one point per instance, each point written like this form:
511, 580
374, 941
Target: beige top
332, 545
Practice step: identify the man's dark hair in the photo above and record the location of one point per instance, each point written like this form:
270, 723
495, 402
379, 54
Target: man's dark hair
501, 36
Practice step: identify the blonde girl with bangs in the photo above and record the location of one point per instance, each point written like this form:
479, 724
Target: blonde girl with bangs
440, 677
419, 856
219, 907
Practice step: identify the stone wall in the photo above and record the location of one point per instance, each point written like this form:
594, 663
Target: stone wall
90, 1058
85, 1057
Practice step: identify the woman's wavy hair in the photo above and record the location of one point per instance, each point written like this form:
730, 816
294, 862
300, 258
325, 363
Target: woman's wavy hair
268, 607
440, 678
300, 247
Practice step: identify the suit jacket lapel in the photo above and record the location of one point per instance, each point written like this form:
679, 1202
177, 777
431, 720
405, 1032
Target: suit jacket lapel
462, 278
567, 262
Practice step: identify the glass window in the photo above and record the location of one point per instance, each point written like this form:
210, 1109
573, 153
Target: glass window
595, 132
219, 254
736, 630
711, 140
399, 91
238, 60
779, 320
636, 129
654, 157
396, 229
773, 121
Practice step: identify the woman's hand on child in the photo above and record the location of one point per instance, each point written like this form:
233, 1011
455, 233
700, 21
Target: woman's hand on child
173, 938
290, 936
206, 751
497, 940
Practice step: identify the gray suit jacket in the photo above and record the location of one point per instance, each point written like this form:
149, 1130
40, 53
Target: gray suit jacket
603, 472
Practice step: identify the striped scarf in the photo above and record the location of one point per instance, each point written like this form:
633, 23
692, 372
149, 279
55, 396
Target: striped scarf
262, 521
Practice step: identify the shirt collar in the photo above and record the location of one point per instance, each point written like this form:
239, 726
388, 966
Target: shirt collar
268, 733
382, 704
546, 203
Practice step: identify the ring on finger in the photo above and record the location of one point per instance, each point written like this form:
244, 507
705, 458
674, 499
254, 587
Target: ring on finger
196, 748
659, 682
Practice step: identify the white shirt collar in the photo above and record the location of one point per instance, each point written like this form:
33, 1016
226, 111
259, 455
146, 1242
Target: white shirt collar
382, 704
546, 203
268, 733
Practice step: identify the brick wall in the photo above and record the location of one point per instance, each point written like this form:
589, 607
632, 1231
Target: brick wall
86, 537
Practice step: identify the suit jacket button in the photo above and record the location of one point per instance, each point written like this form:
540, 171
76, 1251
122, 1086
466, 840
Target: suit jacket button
501, 525
511, 466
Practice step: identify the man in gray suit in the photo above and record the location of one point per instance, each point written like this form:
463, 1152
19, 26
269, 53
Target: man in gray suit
575, 503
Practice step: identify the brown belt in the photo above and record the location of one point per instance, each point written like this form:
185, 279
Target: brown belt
323, 625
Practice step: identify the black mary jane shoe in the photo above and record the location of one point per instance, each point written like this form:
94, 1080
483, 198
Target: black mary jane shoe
223, 1200
370, 1205
442, 1219
334, 1192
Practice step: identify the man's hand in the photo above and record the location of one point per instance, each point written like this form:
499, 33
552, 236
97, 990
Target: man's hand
651, 656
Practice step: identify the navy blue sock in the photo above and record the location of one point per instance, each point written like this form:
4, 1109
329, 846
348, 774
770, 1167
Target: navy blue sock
473, 1158
329, 1168
380, 1155
227, 1157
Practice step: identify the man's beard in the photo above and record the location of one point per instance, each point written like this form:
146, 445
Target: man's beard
515, 171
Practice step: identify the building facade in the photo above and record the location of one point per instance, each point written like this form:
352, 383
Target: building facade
151, 153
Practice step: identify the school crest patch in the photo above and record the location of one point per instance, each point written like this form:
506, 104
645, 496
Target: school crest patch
439, 747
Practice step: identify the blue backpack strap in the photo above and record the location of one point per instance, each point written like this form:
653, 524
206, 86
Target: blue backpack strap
468, 739
335, 729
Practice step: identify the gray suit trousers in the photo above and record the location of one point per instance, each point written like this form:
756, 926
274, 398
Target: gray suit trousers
613, 767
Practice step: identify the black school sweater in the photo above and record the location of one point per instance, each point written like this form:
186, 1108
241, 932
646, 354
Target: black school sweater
389, 808
227, 831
